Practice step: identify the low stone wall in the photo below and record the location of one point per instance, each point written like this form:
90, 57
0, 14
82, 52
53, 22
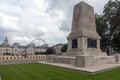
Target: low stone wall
21, 59
85, 60
60, 59
104, 59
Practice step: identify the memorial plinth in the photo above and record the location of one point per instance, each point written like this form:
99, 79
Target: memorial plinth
83, 40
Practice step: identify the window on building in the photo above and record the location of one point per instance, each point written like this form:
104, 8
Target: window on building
15, 50
6, 49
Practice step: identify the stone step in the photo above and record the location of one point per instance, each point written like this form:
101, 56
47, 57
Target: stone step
104, 59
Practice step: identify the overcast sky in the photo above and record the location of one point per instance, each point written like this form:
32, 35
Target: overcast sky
24, 20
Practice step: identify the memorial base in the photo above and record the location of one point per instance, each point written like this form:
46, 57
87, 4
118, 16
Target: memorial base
82, 60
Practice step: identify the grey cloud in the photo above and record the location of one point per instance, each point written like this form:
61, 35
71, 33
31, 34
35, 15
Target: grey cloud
38, 34
33, 22
65, 26
13, 2
6, 33
66, 7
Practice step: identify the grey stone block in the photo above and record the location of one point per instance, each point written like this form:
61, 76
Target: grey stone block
84, 61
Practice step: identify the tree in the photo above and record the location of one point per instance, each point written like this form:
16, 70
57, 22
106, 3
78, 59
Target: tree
111, 16
108, 25
101, 29
116, 42
100, 25
64, 48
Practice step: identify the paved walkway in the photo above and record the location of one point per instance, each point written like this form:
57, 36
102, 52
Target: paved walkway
18, 61
92, 69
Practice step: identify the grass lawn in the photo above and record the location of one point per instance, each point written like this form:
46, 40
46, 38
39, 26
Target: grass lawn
35, 71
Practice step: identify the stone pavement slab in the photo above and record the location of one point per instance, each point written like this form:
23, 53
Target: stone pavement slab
93, 69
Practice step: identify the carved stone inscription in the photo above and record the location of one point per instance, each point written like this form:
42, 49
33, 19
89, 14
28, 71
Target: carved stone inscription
92, 43
74, 43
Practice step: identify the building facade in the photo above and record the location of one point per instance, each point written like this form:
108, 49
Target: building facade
57, 48
16, 49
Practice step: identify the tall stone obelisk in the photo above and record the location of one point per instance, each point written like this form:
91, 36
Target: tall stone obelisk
83, 39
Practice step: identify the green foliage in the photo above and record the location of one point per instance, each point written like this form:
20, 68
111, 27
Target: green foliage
64, 48
111, 15
108, 25
116, 42
100, 24
101, 29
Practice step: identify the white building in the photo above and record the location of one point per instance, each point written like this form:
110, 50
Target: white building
16, 49
57, 48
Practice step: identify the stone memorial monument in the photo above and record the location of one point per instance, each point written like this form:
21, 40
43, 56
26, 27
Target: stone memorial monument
83, 40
